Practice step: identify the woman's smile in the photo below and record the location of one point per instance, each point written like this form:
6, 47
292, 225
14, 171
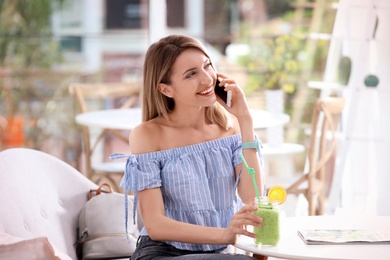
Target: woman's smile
207, 92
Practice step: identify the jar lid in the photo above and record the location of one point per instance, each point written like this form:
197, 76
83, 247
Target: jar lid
265, 203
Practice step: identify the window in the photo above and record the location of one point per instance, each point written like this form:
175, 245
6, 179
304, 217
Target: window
175, 13
71, 43
123, 14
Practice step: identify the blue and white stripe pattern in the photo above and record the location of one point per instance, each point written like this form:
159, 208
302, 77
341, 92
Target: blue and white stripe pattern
198, 183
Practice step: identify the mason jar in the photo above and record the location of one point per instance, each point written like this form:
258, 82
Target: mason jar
269, 231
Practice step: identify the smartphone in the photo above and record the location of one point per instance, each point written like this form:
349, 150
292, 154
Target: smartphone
226, 96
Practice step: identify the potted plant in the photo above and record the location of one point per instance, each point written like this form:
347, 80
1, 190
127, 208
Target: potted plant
272, 66
272, 63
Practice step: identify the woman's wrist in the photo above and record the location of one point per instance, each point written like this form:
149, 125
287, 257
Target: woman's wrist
251, 145
246, 129
223, 237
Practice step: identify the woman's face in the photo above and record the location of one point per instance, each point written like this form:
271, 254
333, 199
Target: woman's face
192, 80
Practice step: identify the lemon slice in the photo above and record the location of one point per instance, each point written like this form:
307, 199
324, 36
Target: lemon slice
277, 194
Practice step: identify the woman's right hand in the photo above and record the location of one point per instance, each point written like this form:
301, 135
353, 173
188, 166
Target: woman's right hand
239, 106
238, 223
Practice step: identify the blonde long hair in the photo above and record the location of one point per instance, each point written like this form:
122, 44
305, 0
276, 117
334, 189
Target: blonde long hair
158, 64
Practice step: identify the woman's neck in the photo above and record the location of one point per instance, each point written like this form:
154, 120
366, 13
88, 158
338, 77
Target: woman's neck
188, 118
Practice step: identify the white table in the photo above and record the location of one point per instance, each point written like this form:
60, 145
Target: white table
283, 149
291, 246
127, 119
323, 85
280, 161
119, 119
273, 155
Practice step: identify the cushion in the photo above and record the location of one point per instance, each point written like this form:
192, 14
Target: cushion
16, 248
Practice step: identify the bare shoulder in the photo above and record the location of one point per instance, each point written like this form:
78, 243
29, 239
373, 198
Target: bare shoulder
143, 138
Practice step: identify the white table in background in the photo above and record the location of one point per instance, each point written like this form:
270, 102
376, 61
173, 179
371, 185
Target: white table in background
127, 119
283, 152
285, 148
118, 119
291, 246
323, 85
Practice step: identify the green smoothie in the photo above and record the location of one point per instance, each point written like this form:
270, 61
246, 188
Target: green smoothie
268, 233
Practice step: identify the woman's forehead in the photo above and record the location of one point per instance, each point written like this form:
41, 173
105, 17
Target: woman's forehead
188, 59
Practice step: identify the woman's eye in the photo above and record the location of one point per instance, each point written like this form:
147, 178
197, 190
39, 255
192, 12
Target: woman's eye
191, 74
208, 64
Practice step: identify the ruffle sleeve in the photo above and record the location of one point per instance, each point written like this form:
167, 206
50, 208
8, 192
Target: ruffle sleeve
141, 175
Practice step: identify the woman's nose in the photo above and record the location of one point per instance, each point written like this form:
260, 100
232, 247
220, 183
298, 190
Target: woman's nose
207, 78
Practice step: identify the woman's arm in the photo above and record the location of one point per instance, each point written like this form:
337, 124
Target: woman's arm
246, 190
160, 227
240, 110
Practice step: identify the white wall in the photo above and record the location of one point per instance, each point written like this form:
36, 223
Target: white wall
362, 177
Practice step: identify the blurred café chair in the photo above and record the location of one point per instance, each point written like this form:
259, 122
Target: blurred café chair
322, 148
94, 96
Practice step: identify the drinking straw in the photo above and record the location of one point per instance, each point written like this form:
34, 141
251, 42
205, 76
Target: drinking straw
251, 171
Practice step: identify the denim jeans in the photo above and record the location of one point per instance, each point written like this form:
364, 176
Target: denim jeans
148, 249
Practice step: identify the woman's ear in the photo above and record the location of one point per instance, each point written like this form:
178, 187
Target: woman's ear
165, 89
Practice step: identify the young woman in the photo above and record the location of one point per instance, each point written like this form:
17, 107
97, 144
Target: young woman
185, 168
